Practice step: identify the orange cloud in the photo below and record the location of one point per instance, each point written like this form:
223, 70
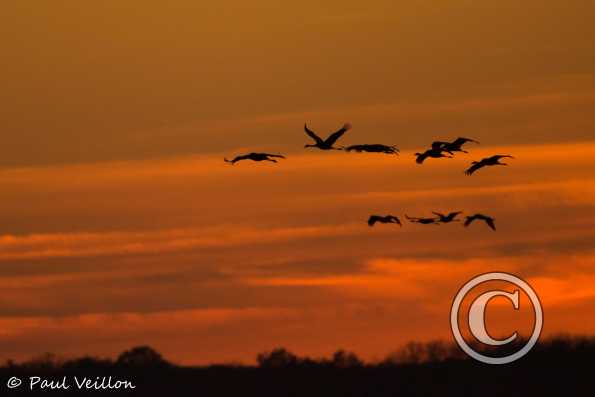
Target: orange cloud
157, 245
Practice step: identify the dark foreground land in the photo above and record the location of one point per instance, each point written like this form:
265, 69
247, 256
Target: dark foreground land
558, 367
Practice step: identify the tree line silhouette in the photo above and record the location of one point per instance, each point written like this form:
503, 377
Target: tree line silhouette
559, 366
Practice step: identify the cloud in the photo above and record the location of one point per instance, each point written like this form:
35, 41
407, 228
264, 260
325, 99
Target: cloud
395, 300
135, 242
130, 243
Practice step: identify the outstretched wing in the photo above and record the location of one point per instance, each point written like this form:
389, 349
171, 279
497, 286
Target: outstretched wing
312, 135
438, 214
237, 158
474, 168
461, 141
378, 147
336, 135
491, 223
500, 156
421, 157
469, 220
375, 148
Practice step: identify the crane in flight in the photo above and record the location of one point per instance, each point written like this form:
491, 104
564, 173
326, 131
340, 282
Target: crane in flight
437, 151
487, 219
255, 157
373, 148
326, 144
423, 221
451, 217
487, 162
456, 145
383, 219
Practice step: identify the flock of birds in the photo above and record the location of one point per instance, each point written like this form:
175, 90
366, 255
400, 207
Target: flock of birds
437, 220
438, 149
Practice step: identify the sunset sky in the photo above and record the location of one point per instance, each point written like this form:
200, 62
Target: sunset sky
121, 225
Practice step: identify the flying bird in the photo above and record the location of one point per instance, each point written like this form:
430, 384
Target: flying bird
488, 161
383, 219
437, 151
451, 217
423, 221
328, 143
455, 146
373, 148
255, 157
481, 217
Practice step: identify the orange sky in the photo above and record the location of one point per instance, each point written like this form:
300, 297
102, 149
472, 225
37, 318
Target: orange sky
121, 224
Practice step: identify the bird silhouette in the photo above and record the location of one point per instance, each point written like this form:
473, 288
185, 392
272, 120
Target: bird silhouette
423, 221
487, 219
373, 148
383, 219
456, 145
328, 143
488, 161
447, 218
437, 151
255, 157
